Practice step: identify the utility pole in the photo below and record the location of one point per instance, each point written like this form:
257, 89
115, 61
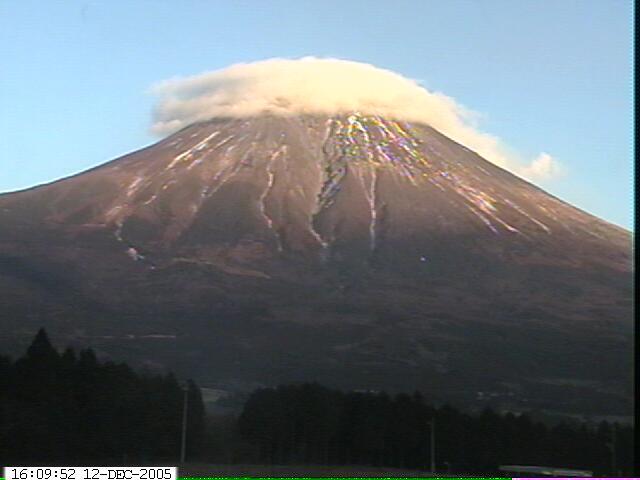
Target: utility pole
612, 447
432, 425
614, 463
185, 408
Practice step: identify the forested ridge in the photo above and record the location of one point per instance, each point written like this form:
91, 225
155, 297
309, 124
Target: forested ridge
312, 424
70, 407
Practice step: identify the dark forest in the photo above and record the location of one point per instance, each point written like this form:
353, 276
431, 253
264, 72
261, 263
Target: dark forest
71, 407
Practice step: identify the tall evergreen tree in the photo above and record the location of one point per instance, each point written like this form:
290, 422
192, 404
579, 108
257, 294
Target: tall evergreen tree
76, 408
41, 350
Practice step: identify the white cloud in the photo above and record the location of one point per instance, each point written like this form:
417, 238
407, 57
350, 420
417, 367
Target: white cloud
543, 167
328, 86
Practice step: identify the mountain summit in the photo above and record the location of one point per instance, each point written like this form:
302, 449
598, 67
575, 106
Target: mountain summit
356, 249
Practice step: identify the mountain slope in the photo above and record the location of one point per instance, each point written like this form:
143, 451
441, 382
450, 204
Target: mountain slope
355, 250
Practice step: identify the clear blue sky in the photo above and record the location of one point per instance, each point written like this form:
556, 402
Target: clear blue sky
547, 75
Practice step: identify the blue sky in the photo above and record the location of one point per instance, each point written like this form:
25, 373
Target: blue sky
546, 75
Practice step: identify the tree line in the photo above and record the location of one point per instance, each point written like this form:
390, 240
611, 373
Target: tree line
312, 424
72, 407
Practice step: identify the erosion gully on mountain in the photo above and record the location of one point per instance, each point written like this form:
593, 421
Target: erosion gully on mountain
356, 250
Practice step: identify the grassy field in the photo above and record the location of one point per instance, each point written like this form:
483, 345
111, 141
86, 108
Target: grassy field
205, 470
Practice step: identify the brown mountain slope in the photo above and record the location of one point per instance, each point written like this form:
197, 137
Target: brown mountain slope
354, 250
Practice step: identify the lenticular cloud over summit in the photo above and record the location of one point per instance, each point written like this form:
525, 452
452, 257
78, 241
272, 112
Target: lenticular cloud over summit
328, 87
